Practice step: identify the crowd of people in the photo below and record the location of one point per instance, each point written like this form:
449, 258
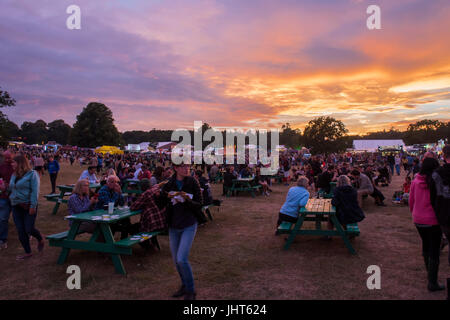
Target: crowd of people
173, 195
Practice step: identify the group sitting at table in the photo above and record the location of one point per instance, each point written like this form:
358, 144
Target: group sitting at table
345, 200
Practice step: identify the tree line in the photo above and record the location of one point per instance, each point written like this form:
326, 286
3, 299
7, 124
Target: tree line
95, 127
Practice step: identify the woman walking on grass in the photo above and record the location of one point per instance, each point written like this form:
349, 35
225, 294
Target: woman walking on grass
24, 188
426, 222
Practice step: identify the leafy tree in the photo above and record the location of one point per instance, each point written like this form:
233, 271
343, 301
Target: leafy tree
95, 127
6, 100
34, 132
59, 131
5, 124
8, 130
325, 135
425, 131
290, 137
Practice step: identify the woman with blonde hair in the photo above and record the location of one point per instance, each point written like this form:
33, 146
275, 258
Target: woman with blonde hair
24, 188
79, 202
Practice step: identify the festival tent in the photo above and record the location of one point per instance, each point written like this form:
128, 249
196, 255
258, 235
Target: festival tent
168, 145
108, 149
374, 145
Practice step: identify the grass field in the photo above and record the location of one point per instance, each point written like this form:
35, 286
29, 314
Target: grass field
236, 256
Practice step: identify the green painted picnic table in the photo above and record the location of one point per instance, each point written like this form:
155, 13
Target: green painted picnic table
243, 184
65, 191
66, 240
331, 193
131, 186
278, 178
318, 210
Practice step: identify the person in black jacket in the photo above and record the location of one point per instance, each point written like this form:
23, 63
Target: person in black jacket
440, 194
345, 200
184, 202
204, 184
228, 178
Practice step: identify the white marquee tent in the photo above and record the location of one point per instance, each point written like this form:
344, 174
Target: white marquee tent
373, 145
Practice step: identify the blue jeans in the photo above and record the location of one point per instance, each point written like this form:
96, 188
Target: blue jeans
397, 168
180, 246
5, 210
25, 226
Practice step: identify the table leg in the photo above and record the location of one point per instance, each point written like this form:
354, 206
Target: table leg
318, 222
341, 231
60, 198
117, 260
71, 236
95, 234
294, 231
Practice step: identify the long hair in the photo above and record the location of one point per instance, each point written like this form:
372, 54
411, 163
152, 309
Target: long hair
78, 186
23, 165
427, 168
343, 181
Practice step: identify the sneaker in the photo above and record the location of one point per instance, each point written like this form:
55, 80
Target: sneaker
3, 244
24, 257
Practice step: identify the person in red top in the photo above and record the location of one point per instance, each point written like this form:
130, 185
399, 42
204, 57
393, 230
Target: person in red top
6, 171
145, 173
407, 185
424, 218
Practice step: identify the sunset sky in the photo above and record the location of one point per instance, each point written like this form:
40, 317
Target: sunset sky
230, 63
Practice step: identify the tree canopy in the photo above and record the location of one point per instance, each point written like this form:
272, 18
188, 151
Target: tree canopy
95, 127
6, 100
325, 135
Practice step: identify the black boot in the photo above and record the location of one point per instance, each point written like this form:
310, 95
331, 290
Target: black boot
448, 289
180, 292
433, 268
426, 259
190, 296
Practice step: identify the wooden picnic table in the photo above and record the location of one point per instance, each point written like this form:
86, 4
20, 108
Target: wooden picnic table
65, 191
243, 184
66, 240
318, 210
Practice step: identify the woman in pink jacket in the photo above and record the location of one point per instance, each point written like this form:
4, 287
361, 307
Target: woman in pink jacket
425, 220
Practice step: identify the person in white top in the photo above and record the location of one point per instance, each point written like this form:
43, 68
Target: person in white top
398, 161
138, 170
89, 174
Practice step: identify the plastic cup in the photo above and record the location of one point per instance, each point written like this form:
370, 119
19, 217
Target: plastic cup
110, 207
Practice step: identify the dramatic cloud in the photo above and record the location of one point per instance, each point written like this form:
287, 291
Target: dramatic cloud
164, 64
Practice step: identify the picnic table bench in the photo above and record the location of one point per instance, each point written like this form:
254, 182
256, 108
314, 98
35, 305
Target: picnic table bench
318, 210
277, 177
65, 191
218, 178
66, 240
243, 184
